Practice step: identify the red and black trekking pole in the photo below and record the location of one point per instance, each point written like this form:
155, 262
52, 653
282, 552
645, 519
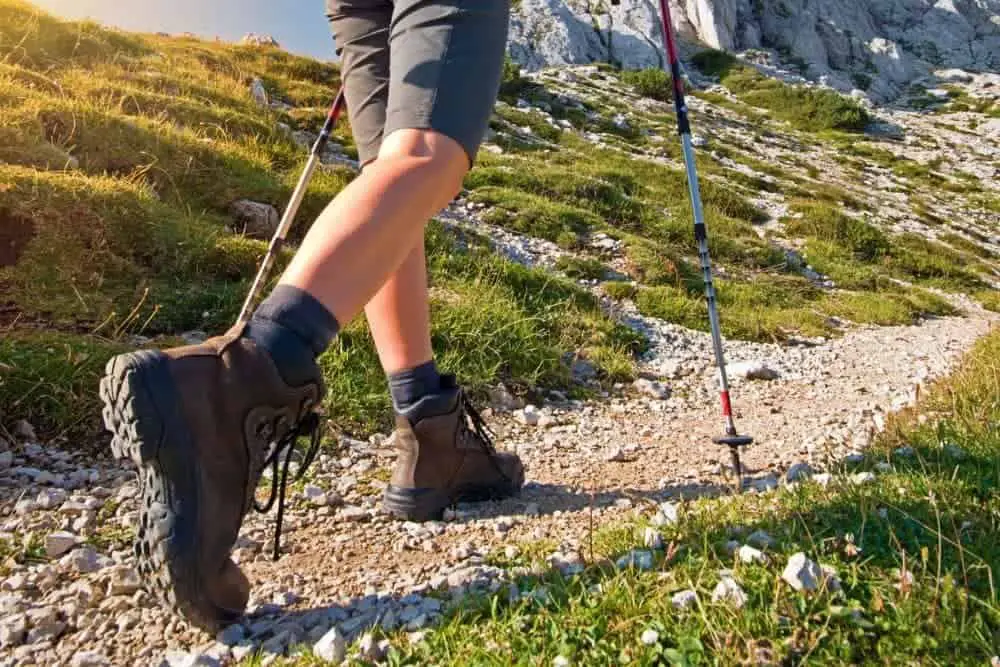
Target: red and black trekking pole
293, 205
731, 438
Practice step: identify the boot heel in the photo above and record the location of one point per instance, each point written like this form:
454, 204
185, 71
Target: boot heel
416, 504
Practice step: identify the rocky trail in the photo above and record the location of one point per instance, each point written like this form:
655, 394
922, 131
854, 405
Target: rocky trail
70, 596
346, 568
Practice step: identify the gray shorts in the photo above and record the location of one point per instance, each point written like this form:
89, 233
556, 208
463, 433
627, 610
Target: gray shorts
424, 64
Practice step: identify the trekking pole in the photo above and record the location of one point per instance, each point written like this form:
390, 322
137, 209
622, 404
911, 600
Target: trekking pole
731, 438
293, 205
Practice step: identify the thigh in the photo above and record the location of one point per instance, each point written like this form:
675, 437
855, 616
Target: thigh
446, 66
360, 30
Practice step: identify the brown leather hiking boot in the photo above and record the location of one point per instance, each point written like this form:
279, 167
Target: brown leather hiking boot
448, 458
199, 421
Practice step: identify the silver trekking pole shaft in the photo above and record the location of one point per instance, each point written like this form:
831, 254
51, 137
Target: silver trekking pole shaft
278, 241
731, 438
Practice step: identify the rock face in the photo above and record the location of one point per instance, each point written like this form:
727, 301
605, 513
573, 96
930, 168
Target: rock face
888, 43
253, 39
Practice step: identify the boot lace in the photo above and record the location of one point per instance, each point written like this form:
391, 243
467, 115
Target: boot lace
308, 426
473, 429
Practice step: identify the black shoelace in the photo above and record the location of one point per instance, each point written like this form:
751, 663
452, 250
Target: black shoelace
308, 426
484, 435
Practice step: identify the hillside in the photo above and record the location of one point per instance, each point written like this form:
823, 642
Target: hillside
857, 250
123, 156
875, 50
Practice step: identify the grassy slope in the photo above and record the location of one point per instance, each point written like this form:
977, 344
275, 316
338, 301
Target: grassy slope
121, 153
915, 552
119, 157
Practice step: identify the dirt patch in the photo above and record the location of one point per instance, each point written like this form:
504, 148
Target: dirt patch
15, 234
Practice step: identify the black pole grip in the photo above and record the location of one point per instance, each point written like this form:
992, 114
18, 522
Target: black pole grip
683, 125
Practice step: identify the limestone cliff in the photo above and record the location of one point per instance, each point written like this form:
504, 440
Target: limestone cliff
879, 45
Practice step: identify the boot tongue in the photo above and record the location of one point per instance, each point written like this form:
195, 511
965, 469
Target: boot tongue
432, 405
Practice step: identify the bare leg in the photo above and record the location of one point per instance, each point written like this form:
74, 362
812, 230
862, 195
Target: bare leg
363, 237
399, 316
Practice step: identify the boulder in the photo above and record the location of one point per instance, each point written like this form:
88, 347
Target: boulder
254, 219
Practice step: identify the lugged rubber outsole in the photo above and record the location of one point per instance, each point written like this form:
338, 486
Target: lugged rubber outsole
143, 413
419, 505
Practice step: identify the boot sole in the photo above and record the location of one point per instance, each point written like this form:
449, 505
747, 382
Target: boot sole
142, 411
421, 505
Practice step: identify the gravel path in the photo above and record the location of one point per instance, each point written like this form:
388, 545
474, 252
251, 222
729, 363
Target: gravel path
349, 567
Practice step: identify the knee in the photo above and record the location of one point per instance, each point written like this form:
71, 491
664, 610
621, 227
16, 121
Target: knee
441, 158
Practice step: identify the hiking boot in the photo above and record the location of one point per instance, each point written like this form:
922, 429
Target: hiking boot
198, 421
447, 458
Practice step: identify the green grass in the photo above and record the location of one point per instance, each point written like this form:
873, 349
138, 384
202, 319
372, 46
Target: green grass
826, 222
650, 82
809, 109
581, 267
914, 552
858, 255
50, 379
714, 62
989, 300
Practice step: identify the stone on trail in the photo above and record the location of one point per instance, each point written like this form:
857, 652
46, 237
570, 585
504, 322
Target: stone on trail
764, 484
13, 630
45, 624
761, 540
652, 388
182, 659
798, 472
727, 590
84, 560
619, 454
89, 659
49, 499
684, 599
315, 495
801, 573
642, 560
371, 648
59, 542
124, 581
749, 555
823, 479
332, 646
666, 515
529, 415
24, 430
863, 478
256, 220
651, 538
752, 370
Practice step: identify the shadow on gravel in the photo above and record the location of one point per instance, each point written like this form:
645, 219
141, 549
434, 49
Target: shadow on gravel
946, 511
540, 499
